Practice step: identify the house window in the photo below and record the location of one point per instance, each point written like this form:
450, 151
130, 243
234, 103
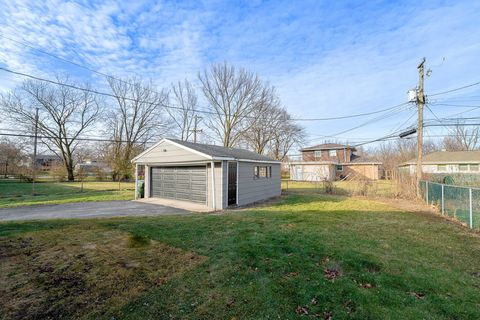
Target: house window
317, 154
339, 167
463, 167
332, 153
441, 167
261, 172
474, 167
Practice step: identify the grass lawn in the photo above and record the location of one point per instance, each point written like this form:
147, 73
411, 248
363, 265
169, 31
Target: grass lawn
307, 256
13, 194
378, 188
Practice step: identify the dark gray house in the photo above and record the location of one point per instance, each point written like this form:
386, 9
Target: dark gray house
182, 171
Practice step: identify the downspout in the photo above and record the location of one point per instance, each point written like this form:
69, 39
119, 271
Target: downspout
214, 204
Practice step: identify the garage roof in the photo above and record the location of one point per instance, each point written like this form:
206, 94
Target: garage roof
215, 152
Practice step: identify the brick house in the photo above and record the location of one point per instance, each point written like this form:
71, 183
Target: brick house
332, 161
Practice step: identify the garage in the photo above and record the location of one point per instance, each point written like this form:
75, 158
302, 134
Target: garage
204, 177
187, 183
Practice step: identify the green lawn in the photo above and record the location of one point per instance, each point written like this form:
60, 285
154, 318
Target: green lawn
13, 194
378, 188
322, 255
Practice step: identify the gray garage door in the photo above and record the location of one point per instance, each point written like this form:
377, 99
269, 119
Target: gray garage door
180, 183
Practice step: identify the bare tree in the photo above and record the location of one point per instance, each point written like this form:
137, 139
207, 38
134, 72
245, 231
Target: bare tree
181, 105
135, 120
463, 139
264, 121
10, 156
393, 153
64, 114
288, 135
233, 94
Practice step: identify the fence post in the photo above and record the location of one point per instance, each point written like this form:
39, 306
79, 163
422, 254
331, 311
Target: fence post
426, 191
443, 199
471, 207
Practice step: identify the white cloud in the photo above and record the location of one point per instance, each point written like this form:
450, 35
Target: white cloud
326, 59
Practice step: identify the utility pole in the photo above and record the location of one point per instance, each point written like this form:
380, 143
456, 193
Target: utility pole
195, 130
420, 104
34, 165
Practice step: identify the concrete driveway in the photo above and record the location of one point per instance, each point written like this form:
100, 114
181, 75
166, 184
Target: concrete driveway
88, 210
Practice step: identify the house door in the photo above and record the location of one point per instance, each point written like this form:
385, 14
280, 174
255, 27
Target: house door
232, 183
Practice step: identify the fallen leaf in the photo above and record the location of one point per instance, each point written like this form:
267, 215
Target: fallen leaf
291, 274
302, 310
314, 301
418, 295
332, 273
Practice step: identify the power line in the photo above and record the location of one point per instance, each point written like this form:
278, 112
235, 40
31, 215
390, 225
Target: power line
453, 90
389, 114
29, 45
356, 115
89, 90
79, 139
172, 107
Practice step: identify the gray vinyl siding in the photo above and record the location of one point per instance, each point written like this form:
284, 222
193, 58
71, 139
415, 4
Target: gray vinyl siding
173, 154
253, 190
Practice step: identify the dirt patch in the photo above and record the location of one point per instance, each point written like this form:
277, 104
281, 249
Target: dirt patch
82, 273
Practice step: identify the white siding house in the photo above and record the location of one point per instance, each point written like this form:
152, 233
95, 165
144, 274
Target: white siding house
446, 162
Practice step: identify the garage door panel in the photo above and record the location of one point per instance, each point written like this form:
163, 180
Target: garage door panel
180, 183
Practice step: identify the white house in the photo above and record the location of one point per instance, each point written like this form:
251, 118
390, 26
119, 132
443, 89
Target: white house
446, 162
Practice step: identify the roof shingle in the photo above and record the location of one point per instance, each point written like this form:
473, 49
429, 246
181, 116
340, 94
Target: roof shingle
450, 157
327, 146
219, 151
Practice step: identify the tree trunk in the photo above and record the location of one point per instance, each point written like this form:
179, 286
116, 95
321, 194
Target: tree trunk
69, 167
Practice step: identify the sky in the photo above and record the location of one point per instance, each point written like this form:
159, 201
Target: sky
326, 58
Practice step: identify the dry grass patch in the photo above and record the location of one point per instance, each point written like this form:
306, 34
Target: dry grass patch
82, 272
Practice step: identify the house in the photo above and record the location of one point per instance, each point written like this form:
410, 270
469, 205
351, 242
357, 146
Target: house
332, 161
43, 162
91, 166
445, 162
182, 171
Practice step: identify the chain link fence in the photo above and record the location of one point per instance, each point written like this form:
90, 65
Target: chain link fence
460, 203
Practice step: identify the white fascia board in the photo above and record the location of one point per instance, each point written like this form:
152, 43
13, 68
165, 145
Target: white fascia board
442, 162
258, 161
184, 163
358, 163
311, 162
223, 158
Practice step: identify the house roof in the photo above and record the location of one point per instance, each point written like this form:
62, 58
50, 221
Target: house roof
216, 152
363, 160
441, 157
328, 146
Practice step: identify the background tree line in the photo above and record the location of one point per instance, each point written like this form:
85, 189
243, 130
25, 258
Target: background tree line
237, 109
